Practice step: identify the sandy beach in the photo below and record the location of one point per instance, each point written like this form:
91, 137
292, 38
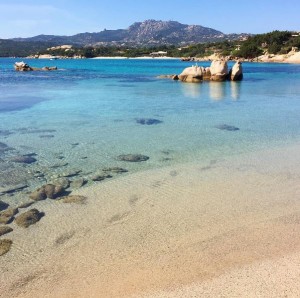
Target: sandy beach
224, 228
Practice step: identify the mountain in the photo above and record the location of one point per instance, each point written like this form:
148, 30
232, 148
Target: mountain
149, 32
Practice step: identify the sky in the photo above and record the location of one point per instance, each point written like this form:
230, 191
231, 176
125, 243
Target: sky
26, 18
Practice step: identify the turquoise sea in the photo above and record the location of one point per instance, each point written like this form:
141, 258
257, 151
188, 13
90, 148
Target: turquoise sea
81, 117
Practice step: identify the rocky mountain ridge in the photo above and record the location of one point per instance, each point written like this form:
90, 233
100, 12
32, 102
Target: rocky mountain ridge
149, 32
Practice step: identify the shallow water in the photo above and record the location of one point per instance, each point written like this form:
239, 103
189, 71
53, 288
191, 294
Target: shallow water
83, 116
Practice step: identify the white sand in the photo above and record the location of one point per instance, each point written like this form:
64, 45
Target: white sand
222, 229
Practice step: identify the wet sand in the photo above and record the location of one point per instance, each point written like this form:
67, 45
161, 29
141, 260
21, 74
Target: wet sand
223, 228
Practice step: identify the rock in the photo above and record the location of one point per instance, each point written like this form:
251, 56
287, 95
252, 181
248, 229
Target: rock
147, 121
166, 76
101, 177
64, 182
12, 189
50, 191
227, 127
7, 215
71, 173
219, 70
73, 199
175, 78
116, 170
23, 159
133, 157
5, 245
193, 74
4, 148
46, 136
49, 68
5, 132
5, 230
28, 218
236, 73
38, 195
25, 205
22, 66
53, 191
59, 165
3, 205
206, 74
78, 183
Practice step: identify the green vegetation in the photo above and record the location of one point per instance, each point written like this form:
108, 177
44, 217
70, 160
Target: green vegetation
276, 42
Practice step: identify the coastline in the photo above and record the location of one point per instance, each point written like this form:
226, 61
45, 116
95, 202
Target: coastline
187, 228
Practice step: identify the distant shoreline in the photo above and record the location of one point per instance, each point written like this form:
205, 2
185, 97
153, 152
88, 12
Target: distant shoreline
262, 59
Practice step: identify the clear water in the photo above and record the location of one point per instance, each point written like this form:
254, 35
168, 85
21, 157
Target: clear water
84, 115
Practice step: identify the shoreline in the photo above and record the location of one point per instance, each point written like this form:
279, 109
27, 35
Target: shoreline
206, 59
184, 227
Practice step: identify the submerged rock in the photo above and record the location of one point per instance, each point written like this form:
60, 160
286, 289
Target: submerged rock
73, 199
227, 127
5, 230
3, 205
5, 245
50, 191
23, 159
147, 121
25, 205
12, 189
7, 215
29, 218
78, 183
100, 177
63, 182
116, 170
133, 157
4, 147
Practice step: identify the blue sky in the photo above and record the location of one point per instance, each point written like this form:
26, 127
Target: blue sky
65, 17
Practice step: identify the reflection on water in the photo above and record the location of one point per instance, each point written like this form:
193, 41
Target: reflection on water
217, 90
235, 88
191, 90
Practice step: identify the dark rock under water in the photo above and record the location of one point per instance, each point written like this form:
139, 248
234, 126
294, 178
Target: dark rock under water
29, 218
148, 121
133, 157
227, 127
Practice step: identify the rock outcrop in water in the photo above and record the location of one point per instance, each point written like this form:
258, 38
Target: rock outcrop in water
22, 66
218, 71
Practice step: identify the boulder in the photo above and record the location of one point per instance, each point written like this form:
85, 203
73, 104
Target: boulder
50, 191
219, 70
5, 246
8, 215
193, 74
22, 66
29, 218
236, 73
